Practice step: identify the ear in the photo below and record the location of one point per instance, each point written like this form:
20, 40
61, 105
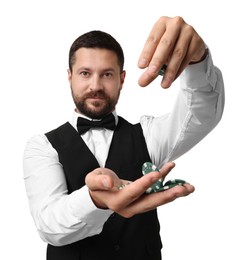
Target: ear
122, 77
69, 76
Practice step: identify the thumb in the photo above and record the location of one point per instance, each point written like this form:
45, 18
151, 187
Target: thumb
100, 179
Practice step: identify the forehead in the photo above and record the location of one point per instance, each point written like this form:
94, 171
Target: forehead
92, 56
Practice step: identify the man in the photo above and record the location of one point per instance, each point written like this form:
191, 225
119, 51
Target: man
85, 186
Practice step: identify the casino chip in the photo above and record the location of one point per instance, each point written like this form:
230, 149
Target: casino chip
148, 167
162, 70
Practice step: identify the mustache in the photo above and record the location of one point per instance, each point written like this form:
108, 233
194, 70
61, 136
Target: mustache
93, 94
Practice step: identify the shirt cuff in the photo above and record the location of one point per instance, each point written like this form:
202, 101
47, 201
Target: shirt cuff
202, 73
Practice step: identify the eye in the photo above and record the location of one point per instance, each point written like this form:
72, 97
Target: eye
108, 74
84, 74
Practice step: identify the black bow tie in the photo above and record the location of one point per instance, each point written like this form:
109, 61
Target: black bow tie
83, 125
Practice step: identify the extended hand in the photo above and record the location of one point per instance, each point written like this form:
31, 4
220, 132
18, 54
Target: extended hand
172, 42
104, 189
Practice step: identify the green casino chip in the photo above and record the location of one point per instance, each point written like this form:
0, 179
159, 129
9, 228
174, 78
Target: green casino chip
162, 70
148, 167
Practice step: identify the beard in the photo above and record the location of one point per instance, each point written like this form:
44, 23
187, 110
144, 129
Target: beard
96, 109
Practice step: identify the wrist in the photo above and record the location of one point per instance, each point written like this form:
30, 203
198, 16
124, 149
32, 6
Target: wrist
205, 54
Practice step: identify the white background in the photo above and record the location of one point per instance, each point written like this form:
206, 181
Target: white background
35, 97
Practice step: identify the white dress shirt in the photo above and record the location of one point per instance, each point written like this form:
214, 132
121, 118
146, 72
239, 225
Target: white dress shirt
61, 218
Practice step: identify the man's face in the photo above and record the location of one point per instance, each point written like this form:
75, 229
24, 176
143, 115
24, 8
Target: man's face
95, 81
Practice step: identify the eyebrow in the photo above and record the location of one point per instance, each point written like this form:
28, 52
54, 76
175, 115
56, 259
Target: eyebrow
89, 69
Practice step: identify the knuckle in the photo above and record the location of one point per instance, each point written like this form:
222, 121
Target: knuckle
200, 41
151, 74
178, 20
189, 30
162, 19
167, 42
153, 39
179, 53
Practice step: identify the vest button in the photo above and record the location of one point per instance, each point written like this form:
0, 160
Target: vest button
116, 247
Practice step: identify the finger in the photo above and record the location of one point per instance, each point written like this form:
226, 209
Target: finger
99, 182
118, 199
152, 42
170, 195
197, 49
194, 54
160, 57
178, 55
154, 200
102, 179
137, 188
166, 168
190, 188
163, 51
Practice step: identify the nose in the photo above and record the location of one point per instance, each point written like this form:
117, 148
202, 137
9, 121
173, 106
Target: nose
96, 83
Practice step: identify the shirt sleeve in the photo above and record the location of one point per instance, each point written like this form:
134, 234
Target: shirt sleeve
197, 110
60, 218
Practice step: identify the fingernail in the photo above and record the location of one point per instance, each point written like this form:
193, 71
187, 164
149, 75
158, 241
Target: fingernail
105, 183
142, 63
166, 82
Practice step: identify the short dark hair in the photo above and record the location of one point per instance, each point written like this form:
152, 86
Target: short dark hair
96, 39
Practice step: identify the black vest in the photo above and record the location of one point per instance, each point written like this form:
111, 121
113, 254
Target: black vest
135, 238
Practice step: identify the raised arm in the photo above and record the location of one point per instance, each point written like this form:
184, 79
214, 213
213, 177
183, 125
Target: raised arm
200, 101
